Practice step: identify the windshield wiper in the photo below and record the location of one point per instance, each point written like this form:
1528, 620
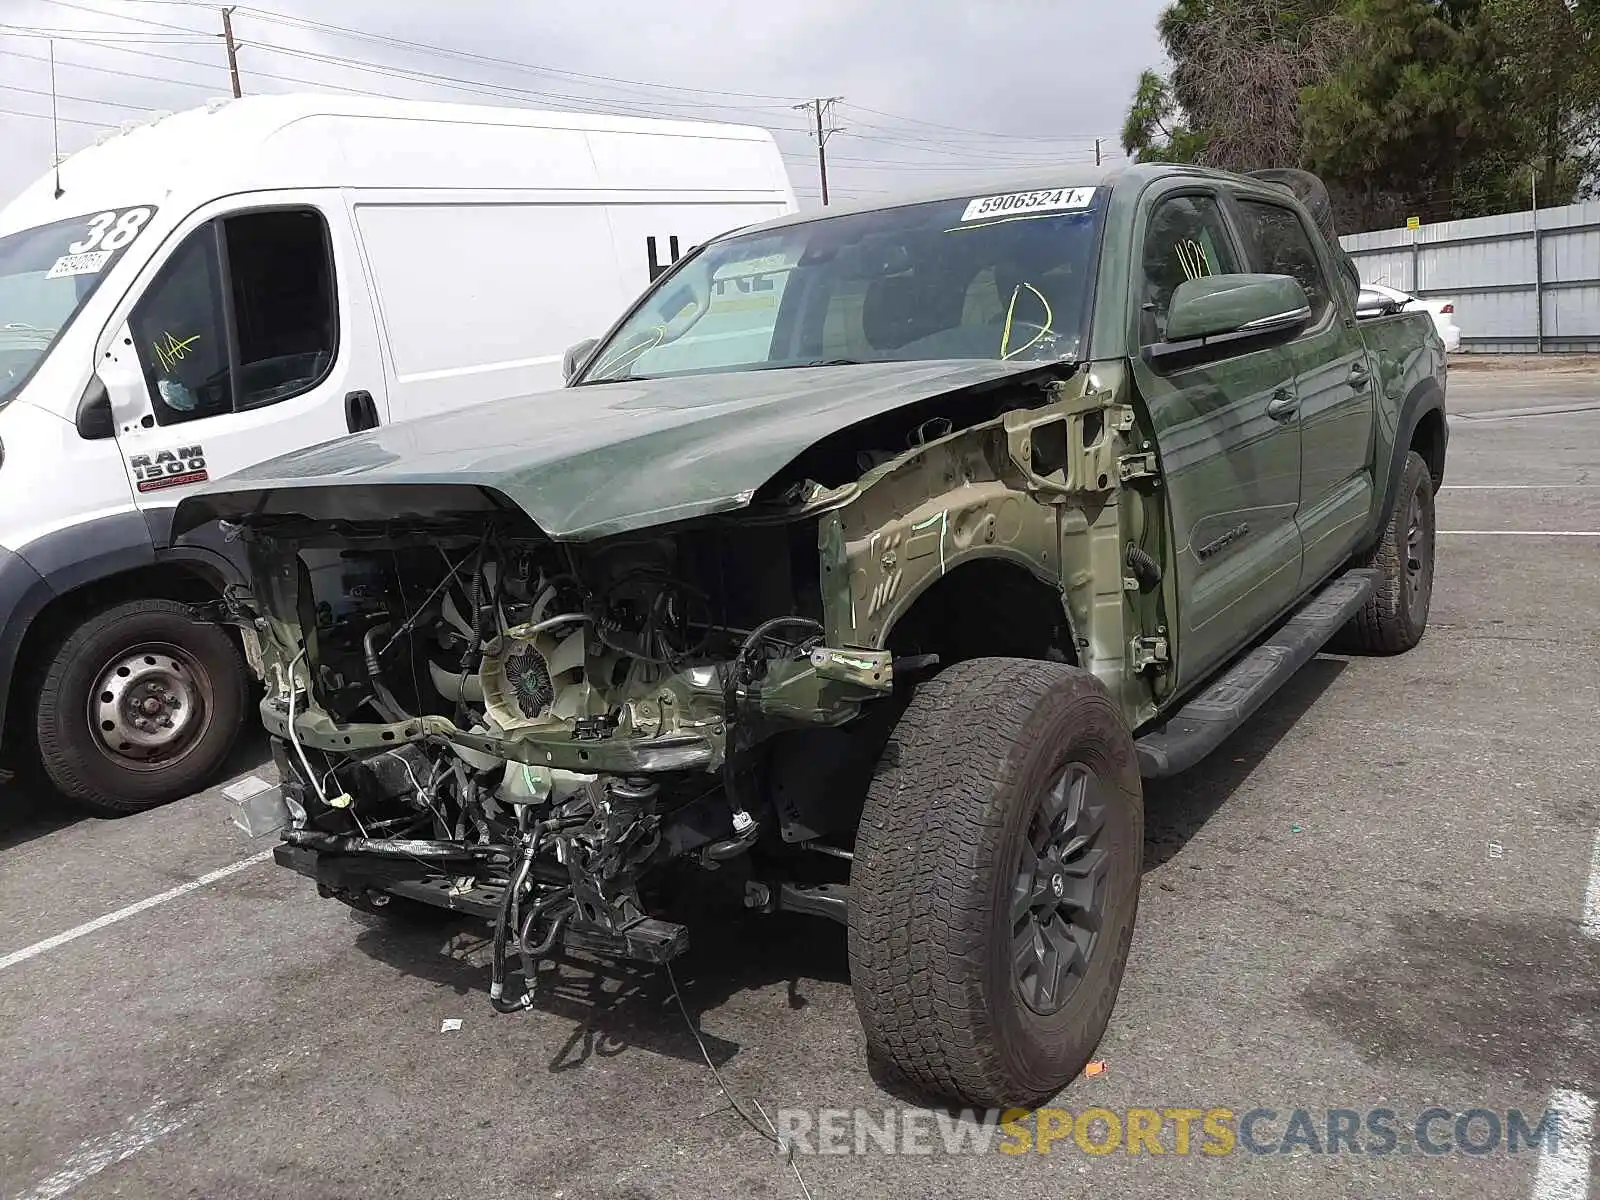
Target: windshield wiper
819, 362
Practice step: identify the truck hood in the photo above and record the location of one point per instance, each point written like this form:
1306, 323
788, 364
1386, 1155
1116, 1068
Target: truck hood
592, 461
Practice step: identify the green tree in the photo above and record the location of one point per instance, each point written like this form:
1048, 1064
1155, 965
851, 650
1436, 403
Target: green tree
1154, 131
1238, 67
1444, 108
1552, 64
1417, 105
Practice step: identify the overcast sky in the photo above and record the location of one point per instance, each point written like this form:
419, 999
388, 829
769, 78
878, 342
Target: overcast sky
925, 84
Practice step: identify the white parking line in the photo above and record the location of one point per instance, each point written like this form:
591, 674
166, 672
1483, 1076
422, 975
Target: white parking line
1564, 1171
1591, 898
96, 1154
122, 914
1521, 532
1519, 487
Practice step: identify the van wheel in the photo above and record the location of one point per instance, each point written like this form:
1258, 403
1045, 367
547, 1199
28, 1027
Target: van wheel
139, 706
996, 881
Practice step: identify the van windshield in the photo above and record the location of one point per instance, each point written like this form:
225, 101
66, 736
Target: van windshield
983, 277
46, 275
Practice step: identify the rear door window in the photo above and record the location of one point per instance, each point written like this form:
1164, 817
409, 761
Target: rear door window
1278, 244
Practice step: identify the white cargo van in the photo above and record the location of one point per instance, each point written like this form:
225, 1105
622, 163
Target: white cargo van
231, 283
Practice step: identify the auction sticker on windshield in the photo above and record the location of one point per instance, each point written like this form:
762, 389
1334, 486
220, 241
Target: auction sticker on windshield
79, 264
1028, 202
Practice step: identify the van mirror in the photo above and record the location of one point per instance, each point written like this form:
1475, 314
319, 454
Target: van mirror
95, 422
575, 357
1246, 305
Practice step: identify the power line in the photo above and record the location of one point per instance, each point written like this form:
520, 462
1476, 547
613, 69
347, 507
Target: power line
190, 62
1029, 137
478, 87
11, 87
130, 39
98, 12
882, 164
1031, 144
278, 18
110, 71
972, 153
15, 112
346, 31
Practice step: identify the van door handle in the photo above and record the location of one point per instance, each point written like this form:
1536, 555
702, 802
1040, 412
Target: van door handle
1360, 376
1283, 405
360, 411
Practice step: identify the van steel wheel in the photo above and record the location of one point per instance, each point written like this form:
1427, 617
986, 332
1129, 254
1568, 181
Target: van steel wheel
139, 706
148, 705
996, 881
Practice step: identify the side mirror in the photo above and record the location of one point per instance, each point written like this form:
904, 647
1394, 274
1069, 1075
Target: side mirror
1239, 305
573, 360
1374, 304
94, 420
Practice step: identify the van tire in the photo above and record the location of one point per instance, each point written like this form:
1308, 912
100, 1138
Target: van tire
200, 672
979, 774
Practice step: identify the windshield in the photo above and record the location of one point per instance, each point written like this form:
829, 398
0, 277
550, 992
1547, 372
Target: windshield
46, 275
986, 277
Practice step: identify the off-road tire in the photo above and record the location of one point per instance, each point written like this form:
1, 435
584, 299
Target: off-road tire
1395, 616
930, 918
68, 749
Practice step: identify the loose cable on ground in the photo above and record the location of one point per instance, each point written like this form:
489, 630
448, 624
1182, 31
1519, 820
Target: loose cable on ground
771, 1131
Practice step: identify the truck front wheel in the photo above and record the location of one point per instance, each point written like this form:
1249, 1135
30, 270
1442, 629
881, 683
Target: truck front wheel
996, 881
139, 706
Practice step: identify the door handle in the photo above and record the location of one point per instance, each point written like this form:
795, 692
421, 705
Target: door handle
1360, 376
1283, 405
360, 411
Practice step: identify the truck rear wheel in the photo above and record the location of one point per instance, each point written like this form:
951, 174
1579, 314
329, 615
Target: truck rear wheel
1396, 615
139, 706
996, 881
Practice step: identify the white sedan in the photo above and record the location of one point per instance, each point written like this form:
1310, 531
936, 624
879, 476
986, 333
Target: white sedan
1442, 311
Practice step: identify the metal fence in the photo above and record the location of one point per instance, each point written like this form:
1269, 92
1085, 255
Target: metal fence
1520, 282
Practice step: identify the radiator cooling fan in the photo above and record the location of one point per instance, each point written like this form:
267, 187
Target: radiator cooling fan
534, 676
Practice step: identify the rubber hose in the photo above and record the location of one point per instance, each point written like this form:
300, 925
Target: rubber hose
1144, 568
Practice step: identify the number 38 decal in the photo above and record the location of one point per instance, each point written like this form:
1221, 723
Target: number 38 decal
111, 230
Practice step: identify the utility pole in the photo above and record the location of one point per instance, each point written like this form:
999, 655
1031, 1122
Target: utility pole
1097, 152
820, 108
233, 50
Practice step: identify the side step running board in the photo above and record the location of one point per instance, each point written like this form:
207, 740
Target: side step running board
1200, 726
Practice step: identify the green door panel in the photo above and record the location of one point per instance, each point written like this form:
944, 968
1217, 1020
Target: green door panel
1232, 475
1336, 388
1334, 381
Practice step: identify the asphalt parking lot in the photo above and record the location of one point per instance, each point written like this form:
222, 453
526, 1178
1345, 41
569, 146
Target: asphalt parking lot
1373, 897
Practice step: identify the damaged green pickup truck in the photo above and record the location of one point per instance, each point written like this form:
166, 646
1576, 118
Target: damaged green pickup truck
861, 570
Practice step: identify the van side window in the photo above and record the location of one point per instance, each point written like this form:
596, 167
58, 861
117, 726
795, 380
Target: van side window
1185, 239
1278, 245
275, 271
179, 333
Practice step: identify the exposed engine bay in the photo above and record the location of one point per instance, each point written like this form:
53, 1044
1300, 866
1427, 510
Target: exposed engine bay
484, 718
551, 732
